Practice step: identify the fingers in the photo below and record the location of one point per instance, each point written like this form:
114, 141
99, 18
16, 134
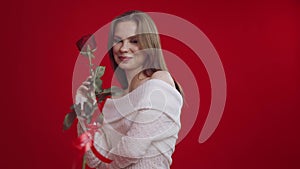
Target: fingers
84, 141
89, 78
83, 88
85, 92
86, 83
80, 100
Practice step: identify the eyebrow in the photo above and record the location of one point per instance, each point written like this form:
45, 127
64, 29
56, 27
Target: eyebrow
130, 37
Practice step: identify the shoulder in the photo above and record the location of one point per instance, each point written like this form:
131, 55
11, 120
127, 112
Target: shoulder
164, 76
161, 75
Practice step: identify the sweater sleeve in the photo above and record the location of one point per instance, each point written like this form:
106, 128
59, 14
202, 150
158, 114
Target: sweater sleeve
91, 160
144, 130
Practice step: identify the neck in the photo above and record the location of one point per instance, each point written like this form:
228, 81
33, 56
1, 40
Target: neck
131, 73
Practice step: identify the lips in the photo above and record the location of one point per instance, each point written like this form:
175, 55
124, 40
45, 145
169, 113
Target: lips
124, 58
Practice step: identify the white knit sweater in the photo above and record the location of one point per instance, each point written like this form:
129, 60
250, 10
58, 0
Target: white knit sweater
140, 129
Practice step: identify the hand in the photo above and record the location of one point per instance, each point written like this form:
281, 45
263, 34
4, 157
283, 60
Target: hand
84, 142
85, 96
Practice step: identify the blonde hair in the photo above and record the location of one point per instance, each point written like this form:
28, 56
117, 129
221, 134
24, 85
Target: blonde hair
148, 39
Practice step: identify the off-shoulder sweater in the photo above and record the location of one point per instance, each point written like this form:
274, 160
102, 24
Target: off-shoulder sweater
140, 129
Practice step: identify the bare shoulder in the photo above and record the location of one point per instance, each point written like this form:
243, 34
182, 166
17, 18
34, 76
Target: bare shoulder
164, 76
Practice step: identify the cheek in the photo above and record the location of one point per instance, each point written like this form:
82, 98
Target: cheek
135, 48
141, 59
115, 48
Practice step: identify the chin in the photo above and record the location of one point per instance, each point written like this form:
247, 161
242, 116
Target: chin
125, 66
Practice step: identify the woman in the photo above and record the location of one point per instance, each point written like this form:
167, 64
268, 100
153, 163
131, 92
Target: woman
140, 127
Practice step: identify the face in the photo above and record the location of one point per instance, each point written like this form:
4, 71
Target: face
126, 48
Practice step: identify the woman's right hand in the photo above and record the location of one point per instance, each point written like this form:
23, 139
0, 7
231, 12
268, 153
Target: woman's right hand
85, 93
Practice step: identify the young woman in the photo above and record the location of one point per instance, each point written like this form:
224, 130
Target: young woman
140, 127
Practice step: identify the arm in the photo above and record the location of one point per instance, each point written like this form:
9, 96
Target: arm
91, 160
137, 141
134, 145
85, 141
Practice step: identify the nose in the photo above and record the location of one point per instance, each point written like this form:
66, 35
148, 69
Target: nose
125, 46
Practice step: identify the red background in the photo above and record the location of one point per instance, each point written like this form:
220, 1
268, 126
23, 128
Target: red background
258, 43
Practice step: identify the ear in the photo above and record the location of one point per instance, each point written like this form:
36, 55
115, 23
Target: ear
164, 76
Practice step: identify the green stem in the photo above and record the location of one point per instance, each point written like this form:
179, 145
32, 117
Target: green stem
83, 162
90, 55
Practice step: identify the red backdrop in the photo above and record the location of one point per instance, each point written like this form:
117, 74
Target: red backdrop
258, 43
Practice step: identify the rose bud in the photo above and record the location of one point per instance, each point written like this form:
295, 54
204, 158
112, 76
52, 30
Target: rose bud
85, 41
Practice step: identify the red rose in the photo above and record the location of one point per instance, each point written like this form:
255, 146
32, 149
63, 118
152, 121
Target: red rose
86, 40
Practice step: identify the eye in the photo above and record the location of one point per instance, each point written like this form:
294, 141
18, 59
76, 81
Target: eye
135, 41
117, 40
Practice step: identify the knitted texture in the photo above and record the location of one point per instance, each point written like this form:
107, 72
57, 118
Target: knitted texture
140, 129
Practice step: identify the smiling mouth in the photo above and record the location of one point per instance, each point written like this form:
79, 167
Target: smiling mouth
124, 58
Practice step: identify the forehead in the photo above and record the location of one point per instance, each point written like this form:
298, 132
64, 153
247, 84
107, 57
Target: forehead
125, 29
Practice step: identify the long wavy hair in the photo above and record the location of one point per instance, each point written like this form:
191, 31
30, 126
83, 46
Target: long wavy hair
149, 41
